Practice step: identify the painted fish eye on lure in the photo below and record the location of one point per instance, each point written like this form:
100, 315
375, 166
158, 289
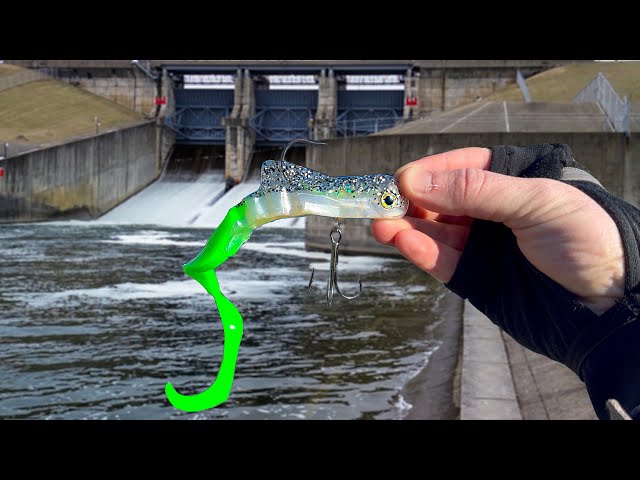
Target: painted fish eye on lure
388, 199
286, 190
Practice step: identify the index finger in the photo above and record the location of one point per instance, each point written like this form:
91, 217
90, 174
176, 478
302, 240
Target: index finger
471, 157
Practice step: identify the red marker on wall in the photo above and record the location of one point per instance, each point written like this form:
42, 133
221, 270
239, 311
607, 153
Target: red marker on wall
1, 172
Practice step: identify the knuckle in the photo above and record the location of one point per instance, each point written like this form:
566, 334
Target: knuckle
468, 184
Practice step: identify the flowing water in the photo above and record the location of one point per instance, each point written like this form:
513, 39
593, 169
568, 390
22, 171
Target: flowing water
95, 318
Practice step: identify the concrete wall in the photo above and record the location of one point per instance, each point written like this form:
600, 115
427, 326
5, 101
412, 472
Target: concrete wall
166, 139
20, 78
79, 179
631, 179
128, 87
605, 154
443, 89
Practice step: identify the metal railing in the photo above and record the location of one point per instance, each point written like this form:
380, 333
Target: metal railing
281, 125
522, 83
618, 110
199, 124
366, 126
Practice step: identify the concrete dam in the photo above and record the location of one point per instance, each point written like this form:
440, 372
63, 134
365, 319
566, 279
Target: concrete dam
149, 174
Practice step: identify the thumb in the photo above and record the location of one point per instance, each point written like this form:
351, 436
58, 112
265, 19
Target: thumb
516, 202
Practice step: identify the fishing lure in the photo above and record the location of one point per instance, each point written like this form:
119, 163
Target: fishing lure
286, 190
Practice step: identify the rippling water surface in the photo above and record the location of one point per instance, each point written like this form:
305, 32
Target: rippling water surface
95, 319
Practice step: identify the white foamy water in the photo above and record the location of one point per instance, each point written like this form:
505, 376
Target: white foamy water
238, 284
235, 284
212, 217
201, 203
169, 203
153, 237
120, 292
402, 405
360, 263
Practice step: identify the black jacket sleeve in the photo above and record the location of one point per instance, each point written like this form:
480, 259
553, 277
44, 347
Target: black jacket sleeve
604, 351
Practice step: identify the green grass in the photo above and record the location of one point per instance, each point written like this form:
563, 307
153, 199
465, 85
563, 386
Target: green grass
561, 84
50, 111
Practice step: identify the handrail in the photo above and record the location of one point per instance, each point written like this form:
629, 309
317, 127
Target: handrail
600, 91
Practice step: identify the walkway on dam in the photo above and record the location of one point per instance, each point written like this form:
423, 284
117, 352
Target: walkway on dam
501, 380
492, 116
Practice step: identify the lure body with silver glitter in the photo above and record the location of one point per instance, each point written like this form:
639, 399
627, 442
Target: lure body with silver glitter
289, 190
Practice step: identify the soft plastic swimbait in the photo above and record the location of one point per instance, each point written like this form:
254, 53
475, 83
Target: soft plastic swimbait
286, 190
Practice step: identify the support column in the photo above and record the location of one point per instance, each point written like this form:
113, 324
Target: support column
411, 96
324, 124
240, 138
165, 137
166, 88
430, 86
143, 90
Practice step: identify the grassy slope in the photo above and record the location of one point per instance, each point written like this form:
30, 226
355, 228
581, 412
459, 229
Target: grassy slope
50, 111
563, 83
6, 69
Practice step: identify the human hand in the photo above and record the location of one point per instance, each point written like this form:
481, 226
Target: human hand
559, 229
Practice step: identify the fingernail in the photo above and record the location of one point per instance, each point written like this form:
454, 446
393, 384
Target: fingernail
399, 172
420, 181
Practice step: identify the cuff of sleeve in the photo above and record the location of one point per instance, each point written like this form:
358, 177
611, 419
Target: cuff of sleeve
612, 370
533, 161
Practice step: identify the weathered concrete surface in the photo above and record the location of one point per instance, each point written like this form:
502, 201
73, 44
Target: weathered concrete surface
631, 178
503, 380
609, 156
323, 125
240, 139
441, 89
80, 179
117, 80
20, 78
493, 116
128, 87
486, 391
546, 390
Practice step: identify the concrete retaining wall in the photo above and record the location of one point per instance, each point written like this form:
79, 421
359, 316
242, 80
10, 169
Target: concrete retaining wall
118, 81
130, 88
79, 179
443, 89
20, 78
606, 155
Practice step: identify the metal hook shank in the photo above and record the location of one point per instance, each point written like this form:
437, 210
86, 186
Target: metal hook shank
298, 140
332, 281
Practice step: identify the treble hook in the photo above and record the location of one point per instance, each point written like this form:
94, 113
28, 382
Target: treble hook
332, 282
